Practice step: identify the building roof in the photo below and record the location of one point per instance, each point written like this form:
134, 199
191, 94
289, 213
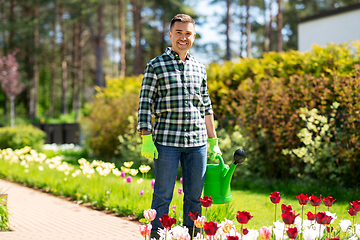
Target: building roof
331, 13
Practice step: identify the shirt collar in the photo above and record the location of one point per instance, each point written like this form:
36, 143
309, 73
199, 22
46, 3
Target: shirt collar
175, 55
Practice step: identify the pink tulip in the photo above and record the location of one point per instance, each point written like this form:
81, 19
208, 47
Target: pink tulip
181, 180
180, 191
152, 183
122, 174
199, 223
141, 192
145, 229
129, 179
150, 214
265, 233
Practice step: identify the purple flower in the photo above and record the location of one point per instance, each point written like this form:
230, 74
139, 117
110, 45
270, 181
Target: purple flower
122, 174
141, 192
152, 183
129, 179
180, 191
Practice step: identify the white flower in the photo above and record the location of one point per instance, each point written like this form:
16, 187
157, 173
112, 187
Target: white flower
252, 235
179, 232
333, 215
344, 225
310, 234
279, 234
357, 230
307, 223
353, 238
279, 225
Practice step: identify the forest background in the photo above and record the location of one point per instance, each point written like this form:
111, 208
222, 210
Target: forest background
82, 60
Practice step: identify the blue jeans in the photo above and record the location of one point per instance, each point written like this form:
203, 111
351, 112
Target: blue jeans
193, 167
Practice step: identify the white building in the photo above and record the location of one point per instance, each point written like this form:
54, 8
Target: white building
336, 26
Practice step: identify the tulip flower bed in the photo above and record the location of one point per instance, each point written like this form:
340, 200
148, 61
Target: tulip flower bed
309, 226
249, 216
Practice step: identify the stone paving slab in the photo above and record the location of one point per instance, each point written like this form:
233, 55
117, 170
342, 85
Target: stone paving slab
39, 216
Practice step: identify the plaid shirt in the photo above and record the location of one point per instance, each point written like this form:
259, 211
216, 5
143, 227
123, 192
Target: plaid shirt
175, 94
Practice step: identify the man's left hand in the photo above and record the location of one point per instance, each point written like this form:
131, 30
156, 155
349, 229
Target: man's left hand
214, 148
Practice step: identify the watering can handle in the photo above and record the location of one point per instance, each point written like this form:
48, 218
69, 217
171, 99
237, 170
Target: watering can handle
221, 161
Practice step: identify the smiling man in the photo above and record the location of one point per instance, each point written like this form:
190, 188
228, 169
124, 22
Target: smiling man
174, 92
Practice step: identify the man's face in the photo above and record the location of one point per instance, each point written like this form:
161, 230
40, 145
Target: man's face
182, 36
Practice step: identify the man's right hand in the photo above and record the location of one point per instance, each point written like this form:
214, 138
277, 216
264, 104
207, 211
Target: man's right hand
148, 148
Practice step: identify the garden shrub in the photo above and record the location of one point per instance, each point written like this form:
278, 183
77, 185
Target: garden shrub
4, 215
263, 97
21, 136
109, 114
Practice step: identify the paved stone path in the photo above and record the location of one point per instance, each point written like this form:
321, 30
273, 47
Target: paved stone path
39, 216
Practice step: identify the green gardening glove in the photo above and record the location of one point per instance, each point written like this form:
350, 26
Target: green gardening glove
214, 148
148, 148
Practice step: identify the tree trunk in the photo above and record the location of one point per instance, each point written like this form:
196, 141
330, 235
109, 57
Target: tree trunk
242, 33
266, 36
114, 36
53, 64
34, 86
154, 43
136, 5
279, 27
99, 47
122, 37
12, 23
3, 21
80, 72
12, 111
64, 78
248, 30
228, 22
271, 40
75, 71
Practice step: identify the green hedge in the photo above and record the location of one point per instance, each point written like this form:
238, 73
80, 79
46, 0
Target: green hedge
263, 97
21, 136
110, 114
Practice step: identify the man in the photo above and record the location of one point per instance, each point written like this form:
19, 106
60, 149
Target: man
174, 92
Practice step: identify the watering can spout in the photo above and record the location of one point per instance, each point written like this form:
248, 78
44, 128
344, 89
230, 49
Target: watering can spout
239, 157
218, 177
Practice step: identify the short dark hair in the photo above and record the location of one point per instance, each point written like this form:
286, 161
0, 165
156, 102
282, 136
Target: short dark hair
182, 18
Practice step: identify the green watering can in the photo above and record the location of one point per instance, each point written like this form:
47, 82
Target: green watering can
218, 176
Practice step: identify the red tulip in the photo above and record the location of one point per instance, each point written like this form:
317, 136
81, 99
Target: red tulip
352, 211
275, 197
232, 238
329, 229
315, 201
285, 208
322, 218
206, 201
328, 201
292, 233
211, 228
335, 238
289, 217
167, 221
356, 205
245, 231
193, 216
310, 216
303, 199
243, 217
